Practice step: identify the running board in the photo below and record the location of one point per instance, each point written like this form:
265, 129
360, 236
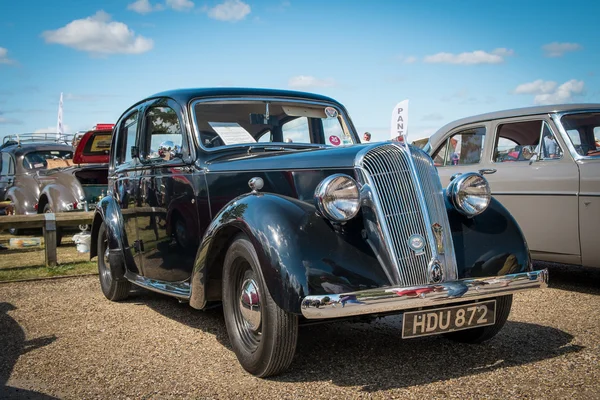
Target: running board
181, 290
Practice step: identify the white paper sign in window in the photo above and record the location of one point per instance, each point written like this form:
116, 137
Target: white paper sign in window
232, 133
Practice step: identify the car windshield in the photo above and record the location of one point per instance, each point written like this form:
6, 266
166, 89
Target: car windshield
47, 159
583, 130
283, 123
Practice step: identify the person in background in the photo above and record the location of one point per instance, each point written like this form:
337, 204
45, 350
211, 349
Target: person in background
366, 137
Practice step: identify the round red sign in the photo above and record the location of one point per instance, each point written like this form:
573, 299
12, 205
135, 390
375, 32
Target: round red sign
334, 140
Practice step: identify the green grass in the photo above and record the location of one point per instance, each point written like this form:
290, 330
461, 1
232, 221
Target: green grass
41, 271
28, 263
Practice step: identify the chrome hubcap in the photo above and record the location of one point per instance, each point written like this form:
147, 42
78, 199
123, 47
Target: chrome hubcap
250, 304
105, 270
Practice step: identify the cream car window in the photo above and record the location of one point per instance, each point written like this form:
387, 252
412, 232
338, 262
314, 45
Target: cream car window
462, 148
520, 141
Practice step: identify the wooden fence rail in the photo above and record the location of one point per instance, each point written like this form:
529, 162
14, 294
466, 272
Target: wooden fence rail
48, 222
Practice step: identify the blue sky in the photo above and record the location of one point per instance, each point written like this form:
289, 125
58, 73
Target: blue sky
450, 59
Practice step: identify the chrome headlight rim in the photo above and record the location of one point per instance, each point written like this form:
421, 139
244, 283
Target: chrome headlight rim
325, 205
456, 189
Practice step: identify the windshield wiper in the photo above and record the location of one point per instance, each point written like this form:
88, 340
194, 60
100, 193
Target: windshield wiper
251, 149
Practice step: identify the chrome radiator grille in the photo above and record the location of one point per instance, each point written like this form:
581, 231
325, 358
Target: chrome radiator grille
401, 211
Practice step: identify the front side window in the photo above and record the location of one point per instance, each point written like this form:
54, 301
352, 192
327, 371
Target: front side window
250, 122
520, 141
584, 132
463, 148
163, 134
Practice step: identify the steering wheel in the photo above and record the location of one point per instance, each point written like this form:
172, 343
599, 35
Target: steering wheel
216, 142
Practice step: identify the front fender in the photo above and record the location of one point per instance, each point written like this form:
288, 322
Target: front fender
490, 244
300, 253
23, 201
109, 212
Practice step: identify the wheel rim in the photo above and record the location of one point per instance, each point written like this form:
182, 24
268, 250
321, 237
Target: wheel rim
105, 275
248, 308
181, 233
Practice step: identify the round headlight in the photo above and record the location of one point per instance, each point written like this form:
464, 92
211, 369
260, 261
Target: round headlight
337, 197
470, 194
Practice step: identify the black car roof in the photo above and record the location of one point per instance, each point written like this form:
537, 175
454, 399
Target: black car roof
185, 95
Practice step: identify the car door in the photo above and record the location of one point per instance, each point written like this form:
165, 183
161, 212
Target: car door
538, 182
125, 182
7, 173
167, 221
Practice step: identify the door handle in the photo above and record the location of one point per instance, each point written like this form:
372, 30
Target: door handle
487, 171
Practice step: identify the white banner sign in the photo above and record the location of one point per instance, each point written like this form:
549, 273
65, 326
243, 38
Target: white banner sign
400, 122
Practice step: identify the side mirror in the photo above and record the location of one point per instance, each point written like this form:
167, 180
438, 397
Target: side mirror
135, 152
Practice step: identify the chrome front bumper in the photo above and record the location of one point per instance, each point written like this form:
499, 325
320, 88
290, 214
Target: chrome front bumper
390, 299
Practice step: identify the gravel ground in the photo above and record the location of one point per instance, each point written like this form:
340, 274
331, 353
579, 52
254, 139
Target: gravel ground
62, 339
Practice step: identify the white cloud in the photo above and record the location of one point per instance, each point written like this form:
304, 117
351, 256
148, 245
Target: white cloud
229, 10
536, 87
549, 92
556, 49
180, 5
99, 35
4, 57
144, 7
470, 58
306, 81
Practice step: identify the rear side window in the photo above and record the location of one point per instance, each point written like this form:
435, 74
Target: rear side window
462, 148
519, 141
127, 139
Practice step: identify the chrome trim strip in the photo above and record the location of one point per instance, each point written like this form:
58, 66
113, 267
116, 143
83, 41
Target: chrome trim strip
180, 290
393, 299
393, 187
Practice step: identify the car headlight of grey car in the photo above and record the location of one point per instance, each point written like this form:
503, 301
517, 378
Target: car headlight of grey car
469, 193
338, 198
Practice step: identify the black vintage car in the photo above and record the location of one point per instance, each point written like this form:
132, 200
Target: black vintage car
264, 200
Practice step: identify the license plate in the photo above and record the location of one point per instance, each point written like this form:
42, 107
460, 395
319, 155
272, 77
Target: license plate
448, 319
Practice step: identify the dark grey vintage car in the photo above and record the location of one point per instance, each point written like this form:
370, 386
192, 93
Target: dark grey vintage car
42, 174
22, 159
266, 202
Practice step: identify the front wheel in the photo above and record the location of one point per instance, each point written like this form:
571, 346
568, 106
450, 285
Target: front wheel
481, 334
112, 281
263, 335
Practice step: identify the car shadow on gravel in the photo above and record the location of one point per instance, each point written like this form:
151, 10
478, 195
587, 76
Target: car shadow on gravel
12, 346
375, 357
572, 278
209, 320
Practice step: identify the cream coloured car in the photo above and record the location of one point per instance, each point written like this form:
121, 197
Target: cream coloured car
543, 165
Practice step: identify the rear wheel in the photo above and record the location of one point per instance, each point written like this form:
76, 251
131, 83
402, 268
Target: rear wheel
481, 334
112, 280
263, 335
48, 209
